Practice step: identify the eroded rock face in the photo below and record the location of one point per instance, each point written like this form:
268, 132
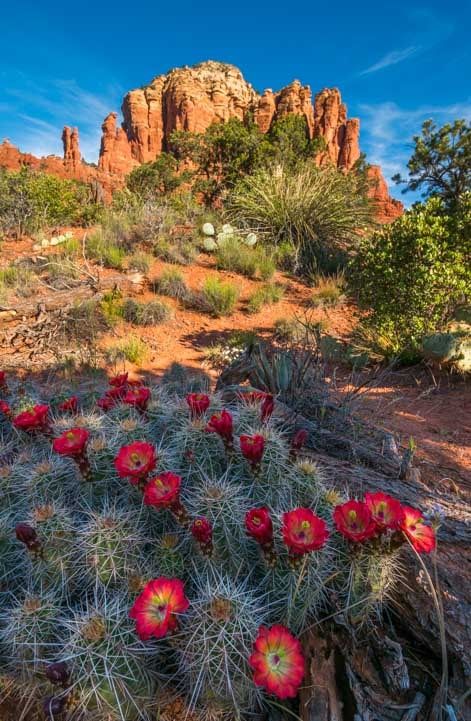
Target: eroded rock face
70, 141
387, 208
192, 98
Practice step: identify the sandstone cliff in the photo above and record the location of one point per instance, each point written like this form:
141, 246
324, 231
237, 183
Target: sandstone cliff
192, 98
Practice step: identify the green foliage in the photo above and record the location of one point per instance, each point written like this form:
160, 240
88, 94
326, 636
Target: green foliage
171, 283
266, 295
441, 162
151, 180
318, 212
290, 143
101, 249
413, 274
233, 255
151, 313
328, 290
17, 279
221, 155
178, 249
30, 201
216, 297
141, 262
133, 350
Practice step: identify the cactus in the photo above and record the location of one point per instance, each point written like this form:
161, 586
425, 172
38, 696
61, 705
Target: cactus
217, 634
208, 229
250, 240
79, 551
113, 675
210, 245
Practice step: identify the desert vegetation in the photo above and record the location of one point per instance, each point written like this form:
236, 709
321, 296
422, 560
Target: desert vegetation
205, 539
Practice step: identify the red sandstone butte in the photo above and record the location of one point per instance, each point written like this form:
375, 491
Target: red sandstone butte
192, 98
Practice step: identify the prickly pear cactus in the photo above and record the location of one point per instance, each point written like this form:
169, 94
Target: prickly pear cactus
153, 542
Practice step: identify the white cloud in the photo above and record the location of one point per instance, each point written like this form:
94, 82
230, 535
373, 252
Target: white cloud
392, 58
387, 131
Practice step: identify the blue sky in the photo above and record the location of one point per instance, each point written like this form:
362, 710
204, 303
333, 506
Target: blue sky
396, 63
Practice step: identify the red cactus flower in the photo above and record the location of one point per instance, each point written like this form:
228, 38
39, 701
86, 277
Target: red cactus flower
71, 443
155, 608
198, 404
419, 534
116, 394
252, 448
299, 439
58, 673
27, 535
221, 423
267, 407
105, 403
277, 661
258, 525
36, 418
303, 531
69, 405
138, 397
135, 461
163, 490
386, 511
5, 409
118, 381
354, 521
202, 530
3, 379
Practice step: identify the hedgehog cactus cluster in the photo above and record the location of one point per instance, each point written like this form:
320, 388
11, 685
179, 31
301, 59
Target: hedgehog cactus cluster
151, 542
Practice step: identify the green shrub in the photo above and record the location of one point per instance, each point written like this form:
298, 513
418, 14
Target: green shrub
112, 306
233, 255
318, 211
175, 249
160, 177
328, 290
170, 283
412, 274
216, 297
19, 280
110, 255
32, 200
266, 295
141, 262
236, 257
133, 350
151, 313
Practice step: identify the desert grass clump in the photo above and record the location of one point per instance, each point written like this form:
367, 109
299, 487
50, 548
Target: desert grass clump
268, 294
151, 313
133, 350
140, 261
328, 291
105, 251
218, 298
170, 283
198, 528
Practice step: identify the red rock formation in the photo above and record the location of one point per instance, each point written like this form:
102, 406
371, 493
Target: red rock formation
295, 99
70, 141
115, 151
192, 98
387, 208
